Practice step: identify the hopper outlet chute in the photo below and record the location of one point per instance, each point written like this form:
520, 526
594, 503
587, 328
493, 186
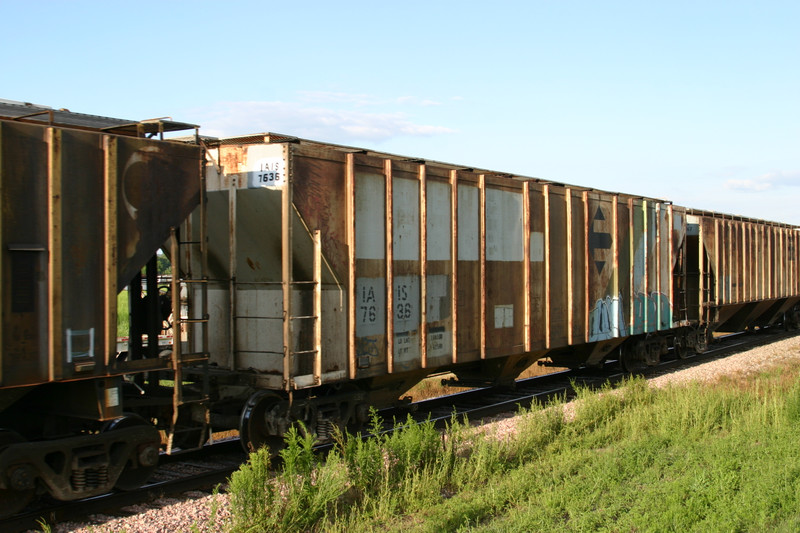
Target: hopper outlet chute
158, 187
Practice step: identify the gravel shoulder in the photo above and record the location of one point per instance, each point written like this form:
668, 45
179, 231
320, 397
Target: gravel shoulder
198, 512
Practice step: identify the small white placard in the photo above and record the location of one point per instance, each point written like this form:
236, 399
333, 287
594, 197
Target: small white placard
112, 397
503, 316
268, 172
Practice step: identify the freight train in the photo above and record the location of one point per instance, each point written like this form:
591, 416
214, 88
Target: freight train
311, 281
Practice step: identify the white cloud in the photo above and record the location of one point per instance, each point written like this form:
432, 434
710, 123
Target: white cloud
362, 100
326, 97
765, 182
748, 185
318, 122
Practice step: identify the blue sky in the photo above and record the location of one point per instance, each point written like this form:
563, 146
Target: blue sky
696, 102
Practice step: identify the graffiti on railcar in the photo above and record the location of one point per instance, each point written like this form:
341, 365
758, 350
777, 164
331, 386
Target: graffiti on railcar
607, 319
366, 350
653, 311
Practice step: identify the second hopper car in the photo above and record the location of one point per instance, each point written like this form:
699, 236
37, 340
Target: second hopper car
339, 277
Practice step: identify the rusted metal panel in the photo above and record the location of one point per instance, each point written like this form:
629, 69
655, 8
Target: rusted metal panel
538, 266
319, 187
751, 254
727, 264
81, 210
558, 267
638, 266
158, 187
679, 265
578, 267
606, 314
653, 299
77, 261
371, 270
350, 212
504, 271
738, 259
25, 237
453, 182
793, 266
406, 283
665, 267
438, 269
468, 268
482, 262
624, 257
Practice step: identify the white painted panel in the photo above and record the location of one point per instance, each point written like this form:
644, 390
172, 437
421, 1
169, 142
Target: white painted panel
218, 326
334, 333
438, 296
405, 219
370, 216
440, 342
406, 303
406, 319
264, 165
468, 223
537, 247
438, 221
370, 306
503, 225
257, 334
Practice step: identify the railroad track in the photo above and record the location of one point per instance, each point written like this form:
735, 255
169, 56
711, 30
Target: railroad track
203, 471
491, 401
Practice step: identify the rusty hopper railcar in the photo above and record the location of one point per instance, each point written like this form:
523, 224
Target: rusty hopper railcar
339, 277
87, 202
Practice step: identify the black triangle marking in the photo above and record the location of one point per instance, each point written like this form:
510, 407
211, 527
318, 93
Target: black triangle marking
599, 215
600, 266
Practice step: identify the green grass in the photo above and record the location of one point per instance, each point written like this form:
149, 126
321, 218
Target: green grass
123, 318
699, 458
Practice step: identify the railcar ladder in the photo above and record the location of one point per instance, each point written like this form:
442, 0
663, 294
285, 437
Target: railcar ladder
192, 432
289, 353
315, 378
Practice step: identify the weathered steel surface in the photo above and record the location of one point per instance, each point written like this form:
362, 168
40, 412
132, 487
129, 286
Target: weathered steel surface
426, 264
62, 189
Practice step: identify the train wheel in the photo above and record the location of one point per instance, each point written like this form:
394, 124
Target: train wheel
138, 471
633, 359
679, 345
258, 416
703, 340
12, 500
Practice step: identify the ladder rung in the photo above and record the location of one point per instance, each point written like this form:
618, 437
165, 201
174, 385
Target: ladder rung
193, 320
194, 353
196, 280
302, 317
193, 357
184, 402
304, 352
